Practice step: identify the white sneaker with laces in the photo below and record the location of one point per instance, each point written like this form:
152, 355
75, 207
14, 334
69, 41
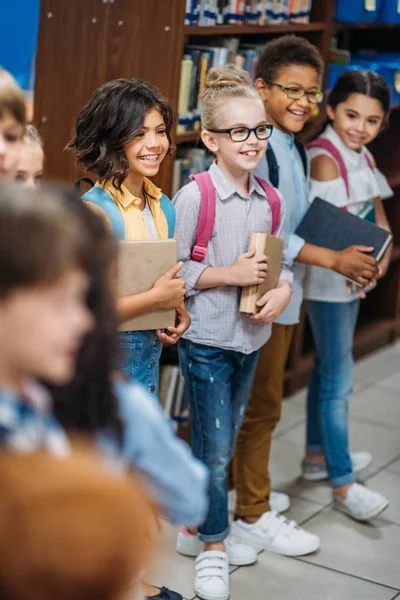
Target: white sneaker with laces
239, 554
212, 576
361, 503
278, 501
317, 471
275, 533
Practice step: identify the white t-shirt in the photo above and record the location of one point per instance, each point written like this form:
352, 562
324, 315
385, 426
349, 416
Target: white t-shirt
148, 218
365, 184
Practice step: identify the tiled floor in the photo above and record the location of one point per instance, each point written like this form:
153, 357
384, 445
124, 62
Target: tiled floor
356, 561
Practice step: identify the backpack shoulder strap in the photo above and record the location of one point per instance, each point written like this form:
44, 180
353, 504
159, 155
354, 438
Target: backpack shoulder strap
369, 159
169, 211
101, 198
205, 226
302, 151
334, 152
77, 184
273, 166
274, 202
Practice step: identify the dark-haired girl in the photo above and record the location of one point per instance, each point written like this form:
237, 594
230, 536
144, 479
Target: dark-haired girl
357, 109
122, 135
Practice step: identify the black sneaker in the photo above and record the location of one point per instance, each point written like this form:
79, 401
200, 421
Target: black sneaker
166, 594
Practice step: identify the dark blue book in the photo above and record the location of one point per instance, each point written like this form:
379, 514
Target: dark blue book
331, 227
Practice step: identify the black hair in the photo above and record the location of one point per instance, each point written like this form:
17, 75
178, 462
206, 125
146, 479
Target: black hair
285, 51
87, 405
113, 116
367, 83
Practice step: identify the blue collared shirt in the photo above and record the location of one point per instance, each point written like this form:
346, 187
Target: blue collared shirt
293, 185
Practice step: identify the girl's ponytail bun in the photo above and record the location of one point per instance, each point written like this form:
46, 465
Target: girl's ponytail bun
230, 76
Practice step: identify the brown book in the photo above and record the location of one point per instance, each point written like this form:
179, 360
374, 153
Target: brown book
140, 264
272, 247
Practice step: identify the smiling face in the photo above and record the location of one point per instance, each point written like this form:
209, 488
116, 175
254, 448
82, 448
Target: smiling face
287, 114
148, 148
11, 132
358, 120
238, 157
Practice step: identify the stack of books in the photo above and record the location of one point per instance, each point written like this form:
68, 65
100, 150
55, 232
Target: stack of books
206, 13
196, 62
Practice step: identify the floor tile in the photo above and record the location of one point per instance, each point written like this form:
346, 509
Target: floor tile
278, 577
388, 484
392, 382
395, 467
369, 551
379, 366
379, 404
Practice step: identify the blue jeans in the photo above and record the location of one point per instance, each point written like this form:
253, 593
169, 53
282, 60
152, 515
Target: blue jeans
333, 325
219, 384
141, 352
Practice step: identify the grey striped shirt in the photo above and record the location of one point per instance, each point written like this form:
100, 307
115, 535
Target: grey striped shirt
216, 320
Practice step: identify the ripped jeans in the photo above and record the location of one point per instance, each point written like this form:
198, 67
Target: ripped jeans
219, 384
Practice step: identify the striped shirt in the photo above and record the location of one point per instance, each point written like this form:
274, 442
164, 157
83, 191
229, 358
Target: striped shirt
216, 320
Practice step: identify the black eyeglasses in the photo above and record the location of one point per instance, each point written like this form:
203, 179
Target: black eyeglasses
296, 93
241, 134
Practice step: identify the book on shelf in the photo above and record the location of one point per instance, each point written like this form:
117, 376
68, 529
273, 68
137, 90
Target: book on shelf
207, 13
189, 162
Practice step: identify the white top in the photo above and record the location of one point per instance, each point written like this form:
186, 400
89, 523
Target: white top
148, 219
365, 184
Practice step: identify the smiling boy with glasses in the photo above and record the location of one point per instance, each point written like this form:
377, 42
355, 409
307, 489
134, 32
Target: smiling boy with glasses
288, 78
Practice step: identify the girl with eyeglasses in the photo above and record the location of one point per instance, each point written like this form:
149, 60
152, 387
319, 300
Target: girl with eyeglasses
219, 353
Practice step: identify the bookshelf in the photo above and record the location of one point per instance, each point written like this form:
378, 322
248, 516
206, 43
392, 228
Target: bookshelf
118, 34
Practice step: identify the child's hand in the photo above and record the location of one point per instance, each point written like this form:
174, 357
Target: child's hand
274, 303
170, 290
355, 264
249, 269
182, 324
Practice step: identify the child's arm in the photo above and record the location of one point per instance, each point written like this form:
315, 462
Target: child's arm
353, 262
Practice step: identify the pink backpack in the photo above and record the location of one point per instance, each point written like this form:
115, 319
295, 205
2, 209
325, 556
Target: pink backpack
334, 152
205, 226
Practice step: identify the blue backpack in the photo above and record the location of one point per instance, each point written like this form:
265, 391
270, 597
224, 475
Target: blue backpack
99, 196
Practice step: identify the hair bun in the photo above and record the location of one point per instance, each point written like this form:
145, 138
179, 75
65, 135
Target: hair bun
226, 77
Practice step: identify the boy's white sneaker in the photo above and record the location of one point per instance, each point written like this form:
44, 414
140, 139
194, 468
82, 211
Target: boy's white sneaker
212, 575
317, 471
239, 554
275, 533
361, 503
278, 501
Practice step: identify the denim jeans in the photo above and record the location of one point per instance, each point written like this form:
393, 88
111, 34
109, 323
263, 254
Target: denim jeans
333, 325
219, 384
141, 352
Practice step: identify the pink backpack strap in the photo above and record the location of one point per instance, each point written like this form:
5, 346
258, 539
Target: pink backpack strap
369, 160
331, 148
205, 226
274, 202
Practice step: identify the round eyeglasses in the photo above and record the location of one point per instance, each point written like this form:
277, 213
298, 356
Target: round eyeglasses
296, 93
241, 134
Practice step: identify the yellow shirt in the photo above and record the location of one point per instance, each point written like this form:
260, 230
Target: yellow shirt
129, 207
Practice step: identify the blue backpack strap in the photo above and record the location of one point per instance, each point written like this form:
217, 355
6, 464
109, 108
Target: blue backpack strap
169, 211
273, 166
302, 151
101, 198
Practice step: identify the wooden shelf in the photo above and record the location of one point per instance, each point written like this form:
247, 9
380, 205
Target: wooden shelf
366, 25
253, 29
190, 136
394, 180
395, 254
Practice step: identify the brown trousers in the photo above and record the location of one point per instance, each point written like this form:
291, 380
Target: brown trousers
250, 463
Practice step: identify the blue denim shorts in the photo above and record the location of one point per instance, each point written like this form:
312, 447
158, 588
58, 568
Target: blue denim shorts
141, 352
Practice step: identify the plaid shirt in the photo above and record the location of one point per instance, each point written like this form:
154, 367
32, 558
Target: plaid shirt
216, 320
26, 423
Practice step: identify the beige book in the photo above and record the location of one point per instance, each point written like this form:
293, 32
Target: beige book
140, 264
272, 247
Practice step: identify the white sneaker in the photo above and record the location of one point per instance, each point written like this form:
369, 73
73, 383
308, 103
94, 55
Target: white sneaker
239, 554
317, 471
212, 576
278, 501
275, 533
361, 503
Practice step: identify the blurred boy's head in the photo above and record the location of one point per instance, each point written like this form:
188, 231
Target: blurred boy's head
69, 531
12, 122
288, 67
29, 167
45, 257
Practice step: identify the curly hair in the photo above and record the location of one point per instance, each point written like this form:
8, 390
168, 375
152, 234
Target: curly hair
113, 116
285, 51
